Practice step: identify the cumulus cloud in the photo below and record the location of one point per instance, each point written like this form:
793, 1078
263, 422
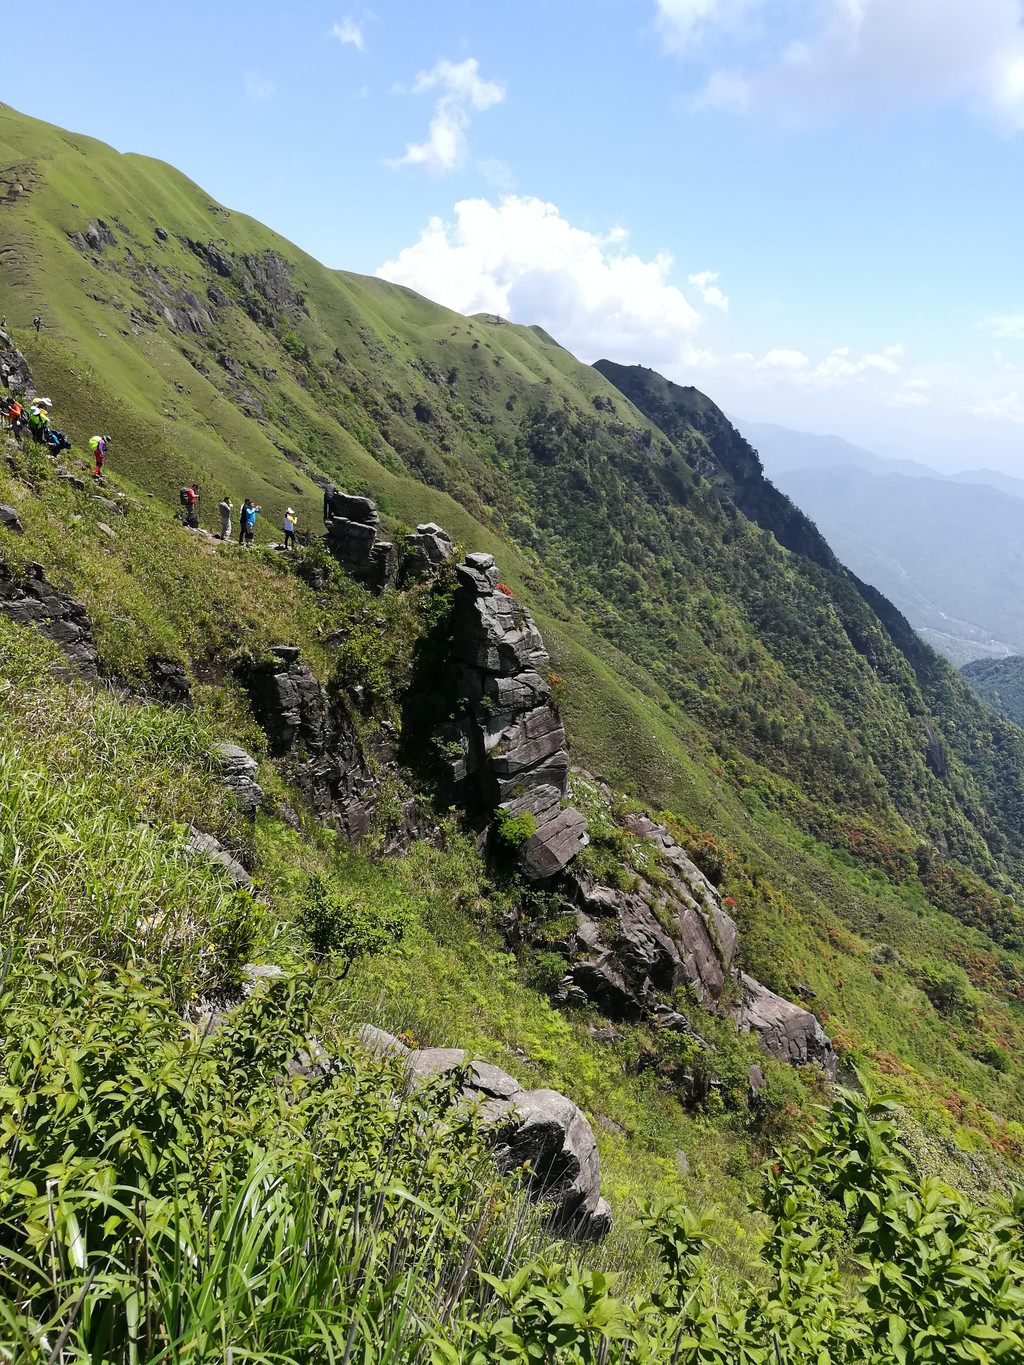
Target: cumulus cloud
709, 291
348, 31
257, 86
462, 90
522, 260
839, 366
865, 54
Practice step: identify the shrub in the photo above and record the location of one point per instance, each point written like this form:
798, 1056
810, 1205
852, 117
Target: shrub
344, 926
514, 830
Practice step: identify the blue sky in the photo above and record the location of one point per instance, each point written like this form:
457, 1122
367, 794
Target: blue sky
811, 209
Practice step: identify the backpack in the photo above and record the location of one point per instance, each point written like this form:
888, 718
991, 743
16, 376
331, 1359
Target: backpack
183, 496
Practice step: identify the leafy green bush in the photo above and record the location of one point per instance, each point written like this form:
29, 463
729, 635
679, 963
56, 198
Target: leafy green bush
947, 986
344, 926
514, 830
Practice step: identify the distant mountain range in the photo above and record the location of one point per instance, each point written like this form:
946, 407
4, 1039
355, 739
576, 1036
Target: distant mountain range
948, 550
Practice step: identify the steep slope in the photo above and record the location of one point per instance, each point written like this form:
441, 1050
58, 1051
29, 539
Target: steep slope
947, 553
1000, 685
716, 450
836, 785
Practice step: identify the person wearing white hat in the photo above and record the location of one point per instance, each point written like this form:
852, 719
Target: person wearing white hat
290, 521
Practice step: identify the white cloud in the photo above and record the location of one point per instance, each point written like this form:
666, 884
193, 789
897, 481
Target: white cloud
709, 291
348, 31
1010, 325
914, 393
522, 260
1005, 407
684, 23
783, 360
258, 86
860, 54
463, 89
839, 366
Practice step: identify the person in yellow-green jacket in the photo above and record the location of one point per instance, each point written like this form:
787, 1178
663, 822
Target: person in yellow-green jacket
98, 446
290, 522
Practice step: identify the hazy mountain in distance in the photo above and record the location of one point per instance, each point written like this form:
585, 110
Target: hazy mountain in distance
995, 478
782, 449
949, 554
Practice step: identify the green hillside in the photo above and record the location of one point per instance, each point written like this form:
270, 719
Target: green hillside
861, 812
1000, 685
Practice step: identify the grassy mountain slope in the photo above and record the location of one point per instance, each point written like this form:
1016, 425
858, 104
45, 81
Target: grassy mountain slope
866, 823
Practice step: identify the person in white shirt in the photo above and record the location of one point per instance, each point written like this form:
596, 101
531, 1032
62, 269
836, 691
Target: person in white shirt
290, 522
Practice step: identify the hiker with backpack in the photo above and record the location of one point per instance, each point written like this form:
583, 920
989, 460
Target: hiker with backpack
225, 507
98, 446
38, 422
290, 522
189, 499
247, 531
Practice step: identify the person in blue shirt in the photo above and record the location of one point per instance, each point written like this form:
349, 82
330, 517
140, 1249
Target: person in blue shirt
247, 530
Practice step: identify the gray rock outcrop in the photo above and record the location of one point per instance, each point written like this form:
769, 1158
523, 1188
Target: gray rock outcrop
10, 520
352, 524
322, 753
169, 682
210, 849
426, 551
784, 1030
238, 773
15, 374
539, 1129
56, 615
508, 747
665, 933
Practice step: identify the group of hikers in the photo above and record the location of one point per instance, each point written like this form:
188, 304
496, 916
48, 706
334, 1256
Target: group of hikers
190, 499
36, 419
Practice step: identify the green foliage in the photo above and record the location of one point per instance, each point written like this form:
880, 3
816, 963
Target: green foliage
514, 830
1000, 685
946, 985
342, 927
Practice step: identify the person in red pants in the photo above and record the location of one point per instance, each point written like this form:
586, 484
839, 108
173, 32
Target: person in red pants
98, 446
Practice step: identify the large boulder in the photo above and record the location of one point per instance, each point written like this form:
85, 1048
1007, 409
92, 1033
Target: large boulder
539, 1132
784, 1030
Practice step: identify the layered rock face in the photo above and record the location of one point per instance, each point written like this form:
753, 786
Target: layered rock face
56, 615
426, 550
14, 371
541, 1128
656, 938
634, 948
319, 742
510, 743
351, 524
322, 751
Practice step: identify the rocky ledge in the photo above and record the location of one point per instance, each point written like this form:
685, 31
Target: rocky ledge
540, 1130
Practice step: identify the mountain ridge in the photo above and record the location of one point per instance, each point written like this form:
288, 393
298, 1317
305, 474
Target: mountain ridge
830, 774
